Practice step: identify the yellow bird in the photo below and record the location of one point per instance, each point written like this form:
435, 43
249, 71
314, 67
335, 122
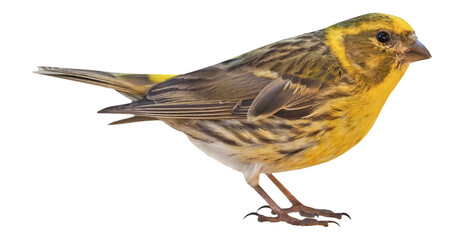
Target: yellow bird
292, 104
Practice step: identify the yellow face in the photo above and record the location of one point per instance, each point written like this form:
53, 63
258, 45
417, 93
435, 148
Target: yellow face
373, 45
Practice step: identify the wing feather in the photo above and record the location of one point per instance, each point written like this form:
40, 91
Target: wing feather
284, 79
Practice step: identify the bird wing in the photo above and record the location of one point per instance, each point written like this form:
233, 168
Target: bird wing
282, 79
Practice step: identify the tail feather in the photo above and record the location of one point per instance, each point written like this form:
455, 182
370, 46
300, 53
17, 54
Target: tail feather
133, 86
132, 119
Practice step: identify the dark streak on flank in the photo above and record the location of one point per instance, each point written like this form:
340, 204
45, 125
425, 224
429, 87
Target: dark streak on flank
284, 126
291, 153
250, 126
322, 131
215, 135
238, 134
323, 116
314, 133
339, 94
305, 124
262, 138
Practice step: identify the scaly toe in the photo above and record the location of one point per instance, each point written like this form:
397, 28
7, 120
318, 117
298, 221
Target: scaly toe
284, 217
313, 222
330, 214
309, 212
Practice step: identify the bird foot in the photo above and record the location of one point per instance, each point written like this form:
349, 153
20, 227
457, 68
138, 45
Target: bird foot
309, 212
284, 217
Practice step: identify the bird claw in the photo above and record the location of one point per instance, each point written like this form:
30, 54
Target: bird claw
284, 217
252, 213
325, 213
333, 222
312, 212
308, 211
262, 207
345, 214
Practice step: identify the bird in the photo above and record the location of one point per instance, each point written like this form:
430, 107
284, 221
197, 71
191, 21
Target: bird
289, 105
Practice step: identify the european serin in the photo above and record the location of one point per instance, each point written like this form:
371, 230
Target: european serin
292, 104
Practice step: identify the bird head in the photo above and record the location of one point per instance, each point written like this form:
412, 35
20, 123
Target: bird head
372, 45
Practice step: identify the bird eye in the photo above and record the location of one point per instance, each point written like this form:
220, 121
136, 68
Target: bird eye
383, 37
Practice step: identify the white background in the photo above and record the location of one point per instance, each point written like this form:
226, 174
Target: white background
65, 174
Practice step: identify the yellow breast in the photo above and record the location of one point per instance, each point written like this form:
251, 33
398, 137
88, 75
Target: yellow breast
360, 113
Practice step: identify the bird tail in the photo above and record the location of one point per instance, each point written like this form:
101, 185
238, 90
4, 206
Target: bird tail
133, 86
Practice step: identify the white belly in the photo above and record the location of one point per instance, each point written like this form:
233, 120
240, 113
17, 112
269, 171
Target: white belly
222, 153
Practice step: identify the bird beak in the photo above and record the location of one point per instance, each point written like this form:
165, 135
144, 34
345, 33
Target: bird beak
416, 52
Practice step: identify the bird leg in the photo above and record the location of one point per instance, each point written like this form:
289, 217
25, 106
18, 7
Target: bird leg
282, 215
297, 206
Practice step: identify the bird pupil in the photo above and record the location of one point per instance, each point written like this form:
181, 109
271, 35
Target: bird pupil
383, 37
